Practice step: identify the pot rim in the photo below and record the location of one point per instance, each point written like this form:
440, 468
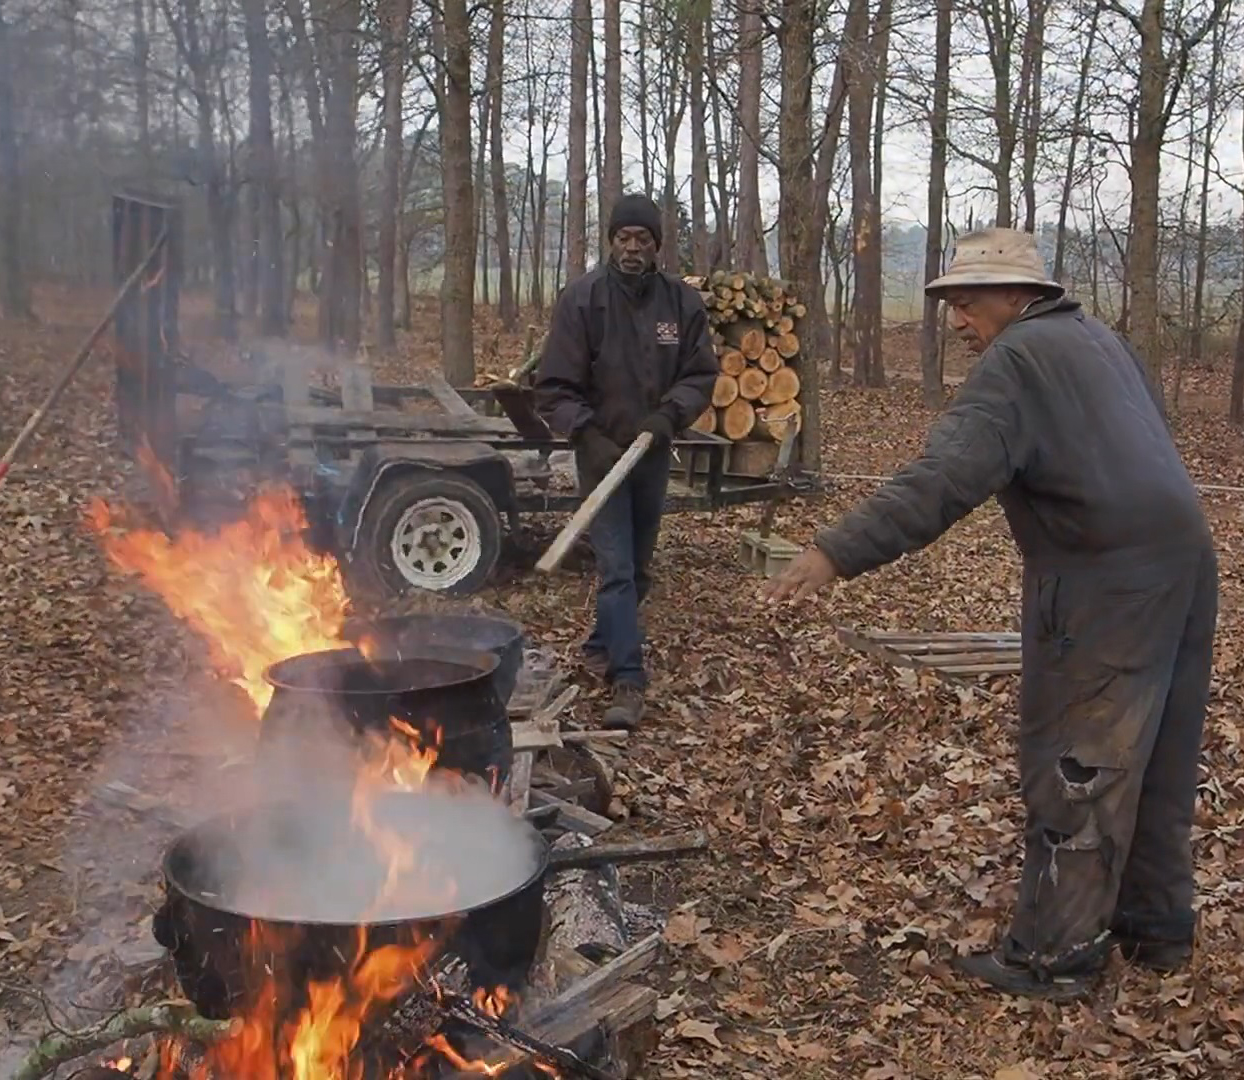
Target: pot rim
476, 664
541, 865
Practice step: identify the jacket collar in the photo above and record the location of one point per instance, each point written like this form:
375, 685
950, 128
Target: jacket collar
634, 285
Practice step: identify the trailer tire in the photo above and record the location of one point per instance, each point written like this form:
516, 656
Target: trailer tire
429, 531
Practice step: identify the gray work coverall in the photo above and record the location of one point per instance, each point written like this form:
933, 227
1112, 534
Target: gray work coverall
1120, 594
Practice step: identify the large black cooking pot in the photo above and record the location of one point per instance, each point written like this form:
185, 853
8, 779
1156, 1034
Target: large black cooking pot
227, 952
449, 696
396, 636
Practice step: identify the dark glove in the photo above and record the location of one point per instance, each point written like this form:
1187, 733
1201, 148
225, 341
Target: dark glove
599, 452
661, 427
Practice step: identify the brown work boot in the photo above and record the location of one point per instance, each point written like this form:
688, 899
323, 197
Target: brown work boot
627, 708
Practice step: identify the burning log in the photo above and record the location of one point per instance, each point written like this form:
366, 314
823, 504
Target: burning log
167, 1017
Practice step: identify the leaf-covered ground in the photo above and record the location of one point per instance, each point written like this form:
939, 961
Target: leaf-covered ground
864, 819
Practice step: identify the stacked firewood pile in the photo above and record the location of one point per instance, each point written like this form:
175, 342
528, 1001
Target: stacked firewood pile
754, 322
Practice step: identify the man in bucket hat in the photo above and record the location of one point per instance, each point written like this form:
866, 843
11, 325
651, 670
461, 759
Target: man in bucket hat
628, 350
1058, 421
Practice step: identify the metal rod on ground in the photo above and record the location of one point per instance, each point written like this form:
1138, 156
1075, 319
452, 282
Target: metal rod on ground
79, 358
462, 1010
591, 506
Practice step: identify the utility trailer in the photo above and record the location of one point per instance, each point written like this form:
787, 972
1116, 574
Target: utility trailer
409, 487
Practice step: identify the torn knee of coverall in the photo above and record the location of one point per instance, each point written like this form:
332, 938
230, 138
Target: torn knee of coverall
1081, 786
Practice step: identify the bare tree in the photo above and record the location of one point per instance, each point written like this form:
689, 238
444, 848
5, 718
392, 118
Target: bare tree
507, 306
458, 282
14, 291
697, 18
611, 180
269, 259
939, 119
576, 168
394, 18
749, 243
858, 60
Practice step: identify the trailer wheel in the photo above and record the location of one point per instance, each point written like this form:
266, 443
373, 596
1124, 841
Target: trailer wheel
433, 532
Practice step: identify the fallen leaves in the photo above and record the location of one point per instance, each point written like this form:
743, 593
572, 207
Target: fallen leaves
865, 820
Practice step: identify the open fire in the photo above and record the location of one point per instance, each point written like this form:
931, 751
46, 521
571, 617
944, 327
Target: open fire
258, 595
254, 590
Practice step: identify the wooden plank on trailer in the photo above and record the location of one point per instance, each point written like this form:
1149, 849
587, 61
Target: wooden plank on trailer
296, 393
385, 420
356, 388
448, 398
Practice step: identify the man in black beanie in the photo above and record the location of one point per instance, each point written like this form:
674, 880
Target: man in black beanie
628, 350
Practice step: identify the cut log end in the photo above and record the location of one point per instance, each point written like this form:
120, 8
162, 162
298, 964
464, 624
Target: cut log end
782, 385
770, 360
737, 419
725, 391
752, 384
733, 362
706, 422
773, 420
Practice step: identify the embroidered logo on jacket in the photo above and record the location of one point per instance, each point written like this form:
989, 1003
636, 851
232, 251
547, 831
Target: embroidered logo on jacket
667, 333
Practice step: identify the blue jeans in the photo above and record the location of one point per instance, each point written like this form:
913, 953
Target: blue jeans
624, 537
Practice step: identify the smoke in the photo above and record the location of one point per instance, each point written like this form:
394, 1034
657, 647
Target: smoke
311, 860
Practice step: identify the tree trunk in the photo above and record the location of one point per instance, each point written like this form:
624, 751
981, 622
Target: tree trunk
881, 60
1077, 121
930, 367
14, 291
697, 17
142, 84
1034, 55
458, 283
576, 168
725, 253
798, 242
749, 243
1146, 171
612, 189
507, 309
641, 98
1207, 159
867, 243
673, 50
394, 21
265, 174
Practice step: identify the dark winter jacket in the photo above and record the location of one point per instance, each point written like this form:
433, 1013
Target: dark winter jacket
621, 347
1058, 420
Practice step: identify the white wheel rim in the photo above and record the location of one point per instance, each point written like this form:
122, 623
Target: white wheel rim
436, 543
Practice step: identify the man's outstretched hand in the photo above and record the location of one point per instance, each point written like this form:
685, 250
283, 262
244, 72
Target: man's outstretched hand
802, 577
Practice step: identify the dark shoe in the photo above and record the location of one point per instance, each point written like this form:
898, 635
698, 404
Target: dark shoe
1002, 974
596, 663
1165, 957
626, 710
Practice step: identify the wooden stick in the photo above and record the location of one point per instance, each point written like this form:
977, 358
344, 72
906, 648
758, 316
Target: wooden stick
79, 358
591, 506
663, 847
173, 1018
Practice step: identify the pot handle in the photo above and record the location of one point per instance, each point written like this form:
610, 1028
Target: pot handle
663, 847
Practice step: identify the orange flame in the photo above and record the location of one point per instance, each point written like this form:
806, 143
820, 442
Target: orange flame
495, 1002
254, 589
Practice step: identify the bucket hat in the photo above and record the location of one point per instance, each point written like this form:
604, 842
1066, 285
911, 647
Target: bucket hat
995, 257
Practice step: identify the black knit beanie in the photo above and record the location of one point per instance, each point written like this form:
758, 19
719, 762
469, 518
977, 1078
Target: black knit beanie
636, 211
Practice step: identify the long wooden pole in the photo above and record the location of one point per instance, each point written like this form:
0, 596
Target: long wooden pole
79, 358
591, 506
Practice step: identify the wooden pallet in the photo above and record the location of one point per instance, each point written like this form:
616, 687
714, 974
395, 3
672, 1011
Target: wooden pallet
960, 655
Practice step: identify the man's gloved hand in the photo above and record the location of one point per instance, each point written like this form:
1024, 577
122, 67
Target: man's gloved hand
600, 453
661, 427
